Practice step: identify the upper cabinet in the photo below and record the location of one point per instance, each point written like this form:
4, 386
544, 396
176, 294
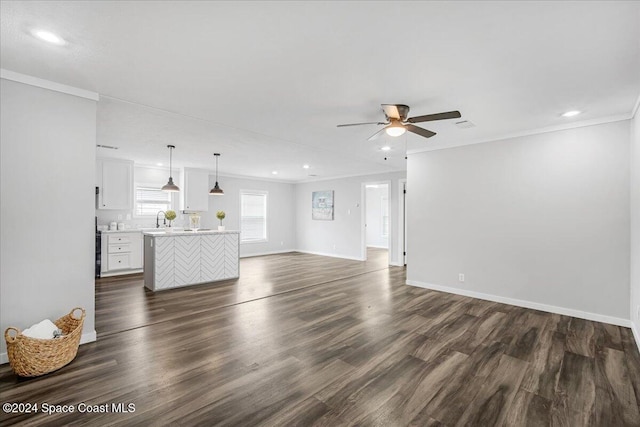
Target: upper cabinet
115, 183
194, 194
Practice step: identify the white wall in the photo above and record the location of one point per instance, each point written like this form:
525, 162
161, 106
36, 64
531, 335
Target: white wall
343, 236
47, 147
540, 220
377, 198
635, 225
280, 213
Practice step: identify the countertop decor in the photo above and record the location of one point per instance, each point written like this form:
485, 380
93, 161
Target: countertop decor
221, 215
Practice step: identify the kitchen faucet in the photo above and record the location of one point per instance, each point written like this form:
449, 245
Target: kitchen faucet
164, 218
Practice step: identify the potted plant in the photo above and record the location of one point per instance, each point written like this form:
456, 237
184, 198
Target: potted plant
220, 215
194, 221
170, 216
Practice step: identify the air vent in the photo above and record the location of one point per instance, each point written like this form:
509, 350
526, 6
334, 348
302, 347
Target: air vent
108, 147
464, 124
312, 174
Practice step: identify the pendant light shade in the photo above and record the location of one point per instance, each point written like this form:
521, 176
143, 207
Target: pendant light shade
216, 190
170, 186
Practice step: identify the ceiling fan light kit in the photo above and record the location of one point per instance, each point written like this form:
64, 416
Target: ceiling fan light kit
395, 129
398, 123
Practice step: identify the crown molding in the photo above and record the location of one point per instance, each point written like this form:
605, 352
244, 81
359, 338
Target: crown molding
567, 126
47, 84
331, 178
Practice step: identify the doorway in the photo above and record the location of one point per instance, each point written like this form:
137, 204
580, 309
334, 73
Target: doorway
377, 222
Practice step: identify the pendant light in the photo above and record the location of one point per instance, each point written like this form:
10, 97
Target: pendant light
216, 190
170, 186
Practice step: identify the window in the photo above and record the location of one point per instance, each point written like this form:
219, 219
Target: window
253, 216
150, 200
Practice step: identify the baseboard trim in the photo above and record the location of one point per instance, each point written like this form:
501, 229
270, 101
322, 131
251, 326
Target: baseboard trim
636, 335
84, 339
378, 247
396, 264
330, 255
121, 273
88, 337
526, 304
286, 251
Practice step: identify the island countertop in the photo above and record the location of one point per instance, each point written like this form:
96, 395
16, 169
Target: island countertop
160, 232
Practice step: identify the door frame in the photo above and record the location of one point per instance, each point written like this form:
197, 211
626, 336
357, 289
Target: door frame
402, 222
363, 219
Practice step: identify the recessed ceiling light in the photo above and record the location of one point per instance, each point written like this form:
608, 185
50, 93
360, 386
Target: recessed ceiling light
158, 164
49, 37
571, 113
386, 148
305, 166
275, 172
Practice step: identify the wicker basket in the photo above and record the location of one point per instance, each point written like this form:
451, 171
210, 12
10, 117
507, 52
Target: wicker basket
32, 357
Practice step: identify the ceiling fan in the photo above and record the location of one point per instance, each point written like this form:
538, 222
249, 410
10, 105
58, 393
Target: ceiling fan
397, 122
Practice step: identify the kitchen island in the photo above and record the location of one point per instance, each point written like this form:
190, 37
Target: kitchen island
184, 258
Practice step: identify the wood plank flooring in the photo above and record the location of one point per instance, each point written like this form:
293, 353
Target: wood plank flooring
315, 341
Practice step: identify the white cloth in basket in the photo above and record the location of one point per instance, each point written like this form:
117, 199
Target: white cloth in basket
43, 330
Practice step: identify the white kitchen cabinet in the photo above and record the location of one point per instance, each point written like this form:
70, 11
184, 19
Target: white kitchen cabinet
195, 190
136, 252
115, 183
121, 253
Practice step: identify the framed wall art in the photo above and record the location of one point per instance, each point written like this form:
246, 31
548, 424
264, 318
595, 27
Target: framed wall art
322, 205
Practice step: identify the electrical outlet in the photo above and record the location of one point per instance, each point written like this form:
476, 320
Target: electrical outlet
281, 243
334, 247
120, 217
461, 277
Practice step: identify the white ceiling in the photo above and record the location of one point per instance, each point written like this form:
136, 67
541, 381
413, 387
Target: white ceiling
266, 83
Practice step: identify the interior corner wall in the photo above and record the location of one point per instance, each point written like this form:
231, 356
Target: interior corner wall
47, 151
541, 221
342, 237
635, 226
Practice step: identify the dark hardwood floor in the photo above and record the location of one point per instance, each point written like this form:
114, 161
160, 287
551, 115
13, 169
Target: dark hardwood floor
308, 340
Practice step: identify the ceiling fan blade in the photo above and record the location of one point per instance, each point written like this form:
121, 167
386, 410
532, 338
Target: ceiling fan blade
377, 134
419, 131
432, 117
391, 111
358, 124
